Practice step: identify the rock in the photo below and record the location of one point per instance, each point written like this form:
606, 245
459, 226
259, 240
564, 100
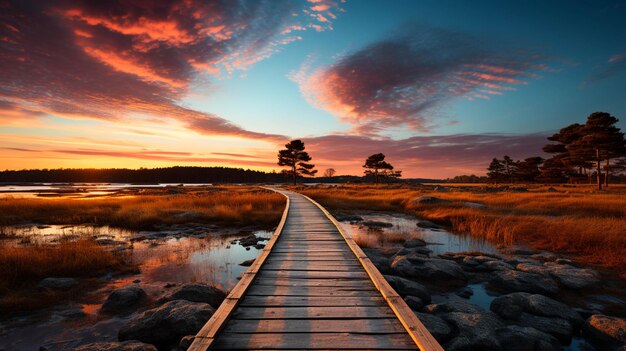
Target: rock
544, 257
413, 243
476, 331
57, 283
436, 326
557, 327
465, 293
509, 306
188, 215
566, 275
428, 224
249, 240
197, 292
491, 266
123, 299
429, 200
552, 190
116, 346
379, 260
454, 305
414, 302
168, 323
519, 251
606, 330
376, 224
544, 306
185, 342
247, 263
515, 281
348, 218
516, 338
474, 205
259, 246
432, 269
406, 287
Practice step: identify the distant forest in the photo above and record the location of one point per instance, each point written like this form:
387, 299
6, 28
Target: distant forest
163, 175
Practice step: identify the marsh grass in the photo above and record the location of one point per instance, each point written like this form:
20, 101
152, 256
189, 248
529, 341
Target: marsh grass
219, 205
588, 226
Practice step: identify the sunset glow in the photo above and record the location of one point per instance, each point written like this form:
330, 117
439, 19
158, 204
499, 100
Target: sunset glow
438, 87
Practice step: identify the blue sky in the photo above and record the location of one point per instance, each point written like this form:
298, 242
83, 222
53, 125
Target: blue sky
169, 86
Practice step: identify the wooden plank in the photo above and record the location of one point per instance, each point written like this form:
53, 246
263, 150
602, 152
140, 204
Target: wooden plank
311, 301
327, 291
312, 274
350, 312
313, 266
313, 282
418, 332
312, 341
371, 326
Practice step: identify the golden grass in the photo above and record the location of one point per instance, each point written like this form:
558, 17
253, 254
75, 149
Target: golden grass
223, 205
24, 266
588, 226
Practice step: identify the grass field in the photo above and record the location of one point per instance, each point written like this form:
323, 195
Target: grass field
586, 225
235, 206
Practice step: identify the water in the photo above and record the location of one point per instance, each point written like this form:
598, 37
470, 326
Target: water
77, 189
212, 259
405, 227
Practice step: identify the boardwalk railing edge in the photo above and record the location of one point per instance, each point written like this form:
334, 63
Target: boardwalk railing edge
418, 332
205, 337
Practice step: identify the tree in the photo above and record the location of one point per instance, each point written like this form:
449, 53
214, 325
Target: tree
377, 167
294, 157
554, 170
601, 141
329, 172
528, 170
496, 170
510, 168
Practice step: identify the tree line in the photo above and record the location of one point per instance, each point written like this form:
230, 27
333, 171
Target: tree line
581, 153
297, 163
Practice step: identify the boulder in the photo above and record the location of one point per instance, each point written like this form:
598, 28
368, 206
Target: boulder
558, 327
57, 283
186, 342
476, 331
376, 224
516, 338
378, 259
197, 292
454, 304
116, 346
247, 263
414, 302
413, 243
465, 293
565, 274
249, 240
406, 287
432, 269
123, 299
168, 323
606, 330
436, 326
491, 266
515, 281
509, 306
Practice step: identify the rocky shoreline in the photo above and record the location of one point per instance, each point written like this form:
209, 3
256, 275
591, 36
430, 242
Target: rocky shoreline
527, 289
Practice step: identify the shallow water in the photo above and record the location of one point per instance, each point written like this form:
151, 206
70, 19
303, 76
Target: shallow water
440, 241
76, 189
212, 259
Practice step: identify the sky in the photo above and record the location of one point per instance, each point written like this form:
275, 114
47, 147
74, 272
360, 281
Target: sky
440, 87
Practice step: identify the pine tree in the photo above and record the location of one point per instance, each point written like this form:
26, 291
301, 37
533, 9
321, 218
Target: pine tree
377, 167
295, 158
496, 170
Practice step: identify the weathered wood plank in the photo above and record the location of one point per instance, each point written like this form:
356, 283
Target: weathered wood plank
310, 274
328, 291
311, 301
313, 341
312, 312
370, 326
338, 283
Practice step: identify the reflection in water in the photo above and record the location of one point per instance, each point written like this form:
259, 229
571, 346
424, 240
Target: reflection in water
77, 189
163, 262
405, 227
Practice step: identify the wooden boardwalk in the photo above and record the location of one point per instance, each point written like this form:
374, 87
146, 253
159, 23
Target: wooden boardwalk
312, 288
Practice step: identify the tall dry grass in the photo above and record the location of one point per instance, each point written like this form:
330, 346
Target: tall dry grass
223, 205
588, 226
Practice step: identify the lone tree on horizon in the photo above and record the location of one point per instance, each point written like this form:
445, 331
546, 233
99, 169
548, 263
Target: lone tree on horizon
329, 172
377, 167
294, 157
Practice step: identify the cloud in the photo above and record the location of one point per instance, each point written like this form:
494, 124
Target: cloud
424, 156
615, 65
406, 78
117, 60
